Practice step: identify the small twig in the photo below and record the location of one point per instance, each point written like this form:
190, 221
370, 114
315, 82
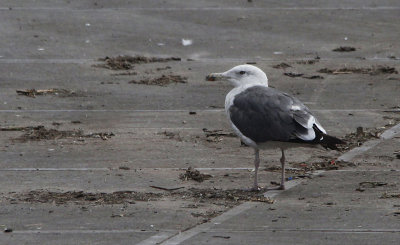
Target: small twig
166, 189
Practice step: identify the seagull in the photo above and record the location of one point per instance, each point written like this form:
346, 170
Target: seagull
266, 118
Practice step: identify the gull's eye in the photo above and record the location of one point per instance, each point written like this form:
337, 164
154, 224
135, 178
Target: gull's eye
242, 72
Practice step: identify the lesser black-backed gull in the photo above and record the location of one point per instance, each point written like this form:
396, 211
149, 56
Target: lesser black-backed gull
265, 117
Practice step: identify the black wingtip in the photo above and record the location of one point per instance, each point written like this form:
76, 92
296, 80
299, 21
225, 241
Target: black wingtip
331, 142
327, 141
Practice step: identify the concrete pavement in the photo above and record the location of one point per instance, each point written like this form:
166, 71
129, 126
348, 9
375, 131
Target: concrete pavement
89, 190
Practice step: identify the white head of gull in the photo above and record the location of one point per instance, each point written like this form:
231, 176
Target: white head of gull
242, 75
265, 117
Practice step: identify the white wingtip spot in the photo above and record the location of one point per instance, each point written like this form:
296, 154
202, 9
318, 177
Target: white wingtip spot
295, 108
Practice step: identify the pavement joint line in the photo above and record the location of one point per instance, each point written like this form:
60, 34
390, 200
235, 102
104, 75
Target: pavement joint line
309, 230
159, 237
180, 169
183, 236
113, 169
55, 169
200, 8
47, 61
83, 231
207, 60
183, 110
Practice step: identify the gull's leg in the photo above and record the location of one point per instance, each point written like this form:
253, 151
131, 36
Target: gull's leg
256, 165
282, 187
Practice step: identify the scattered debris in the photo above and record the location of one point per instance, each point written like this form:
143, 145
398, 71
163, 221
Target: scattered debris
161, 81
344, 49
392, 57
41, 133
323, 165
375, 70
281, 66
79, 197
7, 230
292, 74
166, 189
101, 135
172, 135
308, 62
229, 198
54, 91
187, 42
194, 174
109, 82
369, 184
390, 195
163, 68
313, 77
126, 62
216, 135
229, 195
360, 132
226, 237
128, 73
19, 128
364, 134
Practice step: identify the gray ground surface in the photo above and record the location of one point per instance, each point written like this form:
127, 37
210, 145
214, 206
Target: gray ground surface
77, 184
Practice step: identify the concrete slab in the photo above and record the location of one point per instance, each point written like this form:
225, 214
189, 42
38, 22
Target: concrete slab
330, 202
383, 156
297, 237
320, 32
326, 207
75, 238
